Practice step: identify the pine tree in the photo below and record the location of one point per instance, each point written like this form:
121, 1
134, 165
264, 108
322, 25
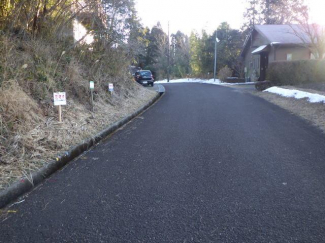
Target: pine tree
157, 51
180, 54
273, 12
195, 59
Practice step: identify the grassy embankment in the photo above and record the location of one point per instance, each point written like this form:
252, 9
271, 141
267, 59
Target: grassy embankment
30, 71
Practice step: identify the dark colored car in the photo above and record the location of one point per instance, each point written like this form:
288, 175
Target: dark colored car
144, 77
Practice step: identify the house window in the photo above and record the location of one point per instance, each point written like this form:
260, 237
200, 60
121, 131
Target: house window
289, 57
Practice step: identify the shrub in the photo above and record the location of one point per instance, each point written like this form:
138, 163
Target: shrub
224, 73
296, 72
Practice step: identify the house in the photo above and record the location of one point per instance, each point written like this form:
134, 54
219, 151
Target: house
272, 43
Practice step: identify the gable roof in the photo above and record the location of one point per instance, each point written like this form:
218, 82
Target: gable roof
283, 34
279, 35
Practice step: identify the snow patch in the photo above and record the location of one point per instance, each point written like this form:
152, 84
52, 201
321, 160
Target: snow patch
201, 81
189, 80
297, 94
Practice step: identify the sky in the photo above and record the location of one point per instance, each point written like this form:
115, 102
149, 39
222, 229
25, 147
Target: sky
186, 15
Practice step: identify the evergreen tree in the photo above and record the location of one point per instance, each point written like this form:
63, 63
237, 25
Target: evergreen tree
157, 51
180, 55
273, 12
229, 47
202, 50
195, 54
207, 45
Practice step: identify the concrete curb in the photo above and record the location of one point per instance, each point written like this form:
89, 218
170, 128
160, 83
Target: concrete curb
19, 188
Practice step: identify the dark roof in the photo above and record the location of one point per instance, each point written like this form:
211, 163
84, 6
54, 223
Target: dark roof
283, 34
279, 35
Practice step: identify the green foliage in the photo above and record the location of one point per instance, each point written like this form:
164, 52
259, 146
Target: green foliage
138, 43
273, 12
34, 16
195, 54
188, 55
120, 40
120, 19
152, 50
228, 50
180, 55
207, 46
229, 47
158, 44
296, 72
38, 52
41, 76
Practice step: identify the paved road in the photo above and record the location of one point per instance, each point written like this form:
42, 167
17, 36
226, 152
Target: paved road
205, 164
243, 87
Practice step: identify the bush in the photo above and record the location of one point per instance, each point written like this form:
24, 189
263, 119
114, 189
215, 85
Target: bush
224, 73
296, 72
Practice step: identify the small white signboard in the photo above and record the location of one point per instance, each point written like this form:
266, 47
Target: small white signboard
60, 98
110, 87
92, 84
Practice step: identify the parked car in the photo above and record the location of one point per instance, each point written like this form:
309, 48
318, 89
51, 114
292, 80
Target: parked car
144, 77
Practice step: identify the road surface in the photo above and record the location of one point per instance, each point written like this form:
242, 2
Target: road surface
204, 164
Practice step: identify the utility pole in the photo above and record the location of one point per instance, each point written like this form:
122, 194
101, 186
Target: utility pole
215, 59
168, 54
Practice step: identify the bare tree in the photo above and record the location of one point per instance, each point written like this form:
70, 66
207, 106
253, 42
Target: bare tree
311, 35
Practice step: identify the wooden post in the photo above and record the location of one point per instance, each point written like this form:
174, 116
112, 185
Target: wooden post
92, 100
60, 113
92, 86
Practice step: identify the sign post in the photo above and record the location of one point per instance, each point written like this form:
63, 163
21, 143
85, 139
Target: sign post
92, 86
245, 70
59, 100
60, 113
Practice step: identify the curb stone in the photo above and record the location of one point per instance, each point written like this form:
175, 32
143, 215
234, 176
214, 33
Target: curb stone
24, 185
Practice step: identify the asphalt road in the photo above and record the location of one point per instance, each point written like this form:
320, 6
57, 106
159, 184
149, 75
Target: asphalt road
204, 164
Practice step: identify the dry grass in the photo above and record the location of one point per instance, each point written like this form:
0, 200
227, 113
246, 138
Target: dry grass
30, 71
312, 112
33, 138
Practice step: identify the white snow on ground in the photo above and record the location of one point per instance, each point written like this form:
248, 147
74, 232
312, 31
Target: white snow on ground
189, 80
297, 94
202, 81
238, 83
312, 98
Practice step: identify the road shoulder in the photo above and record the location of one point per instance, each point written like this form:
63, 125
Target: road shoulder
314, 113
24, 185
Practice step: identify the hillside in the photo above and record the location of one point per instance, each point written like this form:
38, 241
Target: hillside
31, 69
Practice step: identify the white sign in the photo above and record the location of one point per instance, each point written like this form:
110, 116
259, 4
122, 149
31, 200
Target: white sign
92, 84
110, 87
59, 98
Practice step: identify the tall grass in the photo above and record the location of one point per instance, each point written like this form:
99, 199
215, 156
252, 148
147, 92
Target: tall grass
38, 56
